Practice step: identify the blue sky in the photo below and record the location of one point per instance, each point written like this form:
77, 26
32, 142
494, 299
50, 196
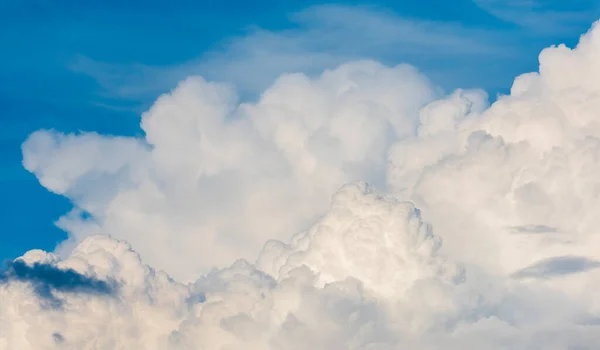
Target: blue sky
95, 65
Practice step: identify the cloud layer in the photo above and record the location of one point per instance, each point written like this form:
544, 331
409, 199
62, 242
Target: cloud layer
480, 230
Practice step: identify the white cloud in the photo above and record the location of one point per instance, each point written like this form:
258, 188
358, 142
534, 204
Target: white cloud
368, 275
528, 160
206, 159
485, 237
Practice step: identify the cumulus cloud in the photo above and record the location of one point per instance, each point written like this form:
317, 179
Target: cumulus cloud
147, 302
479, 228
214, 179
368, 275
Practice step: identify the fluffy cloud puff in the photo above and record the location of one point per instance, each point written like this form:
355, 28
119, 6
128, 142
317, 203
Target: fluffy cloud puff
517, 181
511, 190
214, 179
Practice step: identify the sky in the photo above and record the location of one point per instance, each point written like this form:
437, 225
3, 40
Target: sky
97, 65
300, 175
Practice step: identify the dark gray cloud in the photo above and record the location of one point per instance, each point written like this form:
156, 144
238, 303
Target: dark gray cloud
557, 266
46, 279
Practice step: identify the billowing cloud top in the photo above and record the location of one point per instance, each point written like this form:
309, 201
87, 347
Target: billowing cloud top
482, 233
